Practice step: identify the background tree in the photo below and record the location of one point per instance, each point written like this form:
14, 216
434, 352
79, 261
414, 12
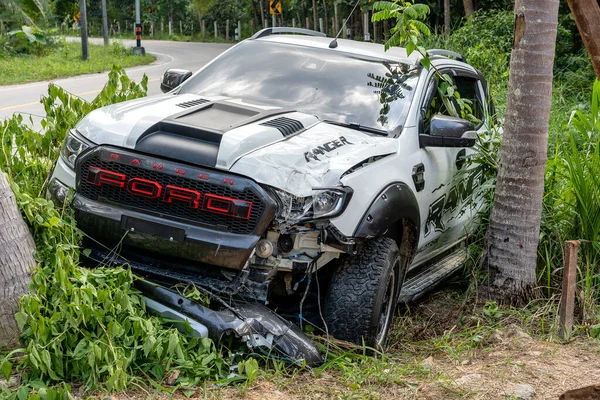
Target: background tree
587, 17
469, 9
516, 215
17, 12
447, 17
16, 261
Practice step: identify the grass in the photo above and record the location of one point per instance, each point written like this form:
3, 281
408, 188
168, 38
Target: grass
65, 60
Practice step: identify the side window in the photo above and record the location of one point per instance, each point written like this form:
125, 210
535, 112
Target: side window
435, 104
468, 89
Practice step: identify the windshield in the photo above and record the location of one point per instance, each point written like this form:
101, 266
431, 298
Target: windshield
329, 84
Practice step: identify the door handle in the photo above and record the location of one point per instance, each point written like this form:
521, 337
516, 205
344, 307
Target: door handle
418, 175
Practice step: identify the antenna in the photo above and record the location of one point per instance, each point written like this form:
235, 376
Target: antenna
334, 43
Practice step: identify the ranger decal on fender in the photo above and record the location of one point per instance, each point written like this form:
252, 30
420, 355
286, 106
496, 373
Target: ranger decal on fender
325, 148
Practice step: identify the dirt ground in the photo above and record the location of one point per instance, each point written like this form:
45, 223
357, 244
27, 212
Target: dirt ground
455, 368
443, 349
550, 369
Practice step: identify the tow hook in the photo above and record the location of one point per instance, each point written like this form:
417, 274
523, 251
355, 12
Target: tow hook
252, 323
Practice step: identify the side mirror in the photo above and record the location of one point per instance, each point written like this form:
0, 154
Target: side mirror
445, 131
173, 78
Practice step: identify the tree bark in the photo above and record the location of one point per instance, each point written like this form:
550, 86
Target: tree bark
447, 17
325, 17
16, 261
587, 18
515, 221
84, 34
469, 10
170, 18
104, 23
314, 9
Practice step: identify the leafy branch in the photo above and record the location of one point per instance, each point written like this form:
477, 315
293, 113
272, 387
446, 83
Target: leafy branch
408, 32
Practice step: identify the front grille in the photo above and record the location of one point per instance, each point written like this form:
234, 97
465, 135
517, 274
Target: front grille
176, 210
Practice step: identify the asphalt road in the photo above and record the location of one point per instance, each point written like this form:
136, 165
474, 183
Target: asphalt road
25, 98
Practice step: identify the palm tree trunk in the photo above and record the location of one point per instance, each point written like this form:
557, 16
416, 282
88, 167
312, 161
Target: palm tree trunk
515, 222
16, 261
587, 17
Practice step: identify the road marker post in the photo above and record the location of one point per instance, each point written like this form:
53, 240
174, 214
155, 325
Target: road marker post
138, 50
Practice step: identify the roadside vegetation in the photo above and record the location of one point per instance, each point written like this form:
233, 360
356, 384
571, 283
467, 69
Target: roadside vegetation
451, 345
56, 58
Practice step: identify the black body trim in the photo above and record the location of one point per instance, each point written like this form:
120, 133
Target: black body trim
395, 202
103, 223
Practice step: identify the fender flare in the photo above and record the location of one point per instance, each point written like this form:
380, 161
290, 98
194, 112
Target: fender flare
392, 204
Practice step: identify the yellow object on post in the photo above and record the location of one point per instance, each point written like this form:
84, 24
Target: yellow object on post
275, 7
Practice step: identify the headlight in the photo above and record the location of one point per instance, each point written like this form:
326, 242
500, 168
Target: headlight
327, 202
73, 146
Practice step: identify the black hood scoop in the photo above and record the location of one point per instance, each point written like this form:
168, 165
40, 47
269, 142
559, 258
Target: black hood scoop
194, 135
192, 103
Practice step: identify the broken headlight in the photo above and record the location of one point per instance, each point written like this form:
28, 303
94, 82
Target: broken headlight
73, 146
327, 202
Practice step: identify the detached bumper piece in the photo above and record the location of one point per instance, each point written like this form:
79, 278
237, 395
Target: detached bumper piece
253, 324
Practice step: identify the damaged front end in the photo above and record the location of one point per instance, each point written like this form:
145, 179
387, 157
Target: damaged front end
253, 324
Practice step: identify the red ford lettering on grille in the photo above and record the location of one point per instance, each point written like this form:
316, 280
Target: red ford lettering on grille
171, 194
192, 197
144, 187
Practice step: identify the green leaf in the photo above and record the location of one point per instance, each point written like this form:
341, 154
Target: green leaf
22, 393
21, 319
425, 62
6, 369
251, 369
173, 343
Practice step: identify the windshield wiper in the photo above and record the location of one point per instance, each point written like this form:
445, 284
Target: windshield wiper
358, 127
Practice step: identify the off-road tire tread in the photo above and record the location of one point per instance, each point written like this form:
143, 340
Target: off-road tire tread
353, 291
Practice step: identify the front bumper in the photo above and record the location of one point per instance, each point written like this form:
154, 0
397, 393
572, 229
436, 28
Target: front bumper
112, 226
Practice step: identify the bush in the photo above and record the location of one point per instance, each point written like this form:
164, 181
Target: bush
27, 40
81, 325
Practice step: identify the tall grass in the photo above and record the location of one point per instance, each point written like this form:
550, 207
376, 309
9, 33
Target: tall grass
572, 204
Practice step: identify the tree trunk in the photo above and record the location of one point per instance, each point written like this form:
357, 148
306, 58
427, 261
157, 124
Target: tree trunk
84, 34
170, 18
16, 261
587, 17
447, 17
469, 10
314, 8
515, 221
104, 23
325, 17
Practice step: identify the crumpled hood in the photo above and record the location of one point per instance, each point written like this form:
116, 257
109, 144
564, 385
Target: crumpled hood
288, 150
315, 158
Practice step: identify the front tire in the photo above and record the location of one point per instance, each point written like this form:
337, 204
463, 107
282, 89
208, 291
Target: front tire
363, 293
